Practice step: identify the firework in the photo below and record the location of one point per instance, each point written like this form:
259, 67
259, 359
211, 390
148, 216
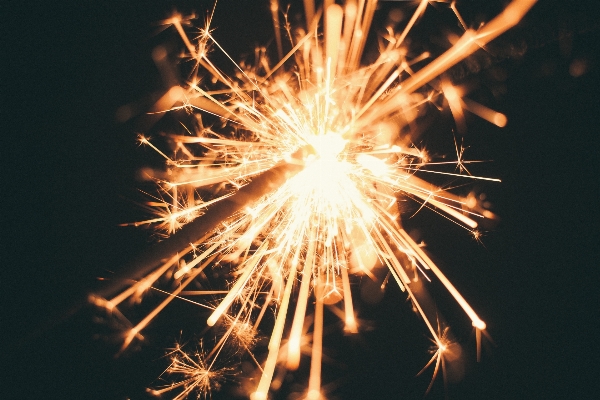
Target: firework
301, 197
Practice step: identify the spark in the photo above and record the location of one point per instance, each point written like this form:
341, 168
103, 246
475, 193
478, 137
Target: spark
302, 196
196, 376
442, 350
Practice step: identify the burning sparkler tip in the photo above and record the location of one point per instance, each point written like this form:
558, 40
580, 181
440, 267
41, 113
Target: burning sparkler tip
305, 189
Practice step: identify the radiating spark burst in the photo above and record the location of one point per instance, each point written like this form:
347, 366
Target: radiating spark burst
197, 377
303, 194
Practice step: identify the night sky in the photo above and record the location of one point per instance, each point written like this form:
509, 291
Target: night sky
69, 180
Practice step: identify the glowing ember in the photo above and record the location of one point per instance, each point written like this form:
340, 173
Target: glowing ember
302, 196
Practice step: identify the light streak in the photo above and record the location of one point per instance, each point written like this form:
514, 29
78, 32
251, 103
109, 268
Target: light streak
303, 195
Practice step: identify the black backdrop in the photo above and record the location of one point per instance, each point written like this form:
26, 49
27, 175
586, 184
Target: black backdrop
69, 171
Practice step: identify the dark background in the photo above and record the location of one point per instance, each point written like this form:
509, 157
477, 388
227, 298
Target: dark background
69, 180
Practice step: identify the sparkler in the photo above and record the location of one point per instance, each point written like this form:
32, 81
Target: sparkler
302, 197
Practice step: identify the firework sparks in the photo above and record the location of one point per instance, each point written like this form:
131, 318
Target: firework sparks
196, 376
302, 196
